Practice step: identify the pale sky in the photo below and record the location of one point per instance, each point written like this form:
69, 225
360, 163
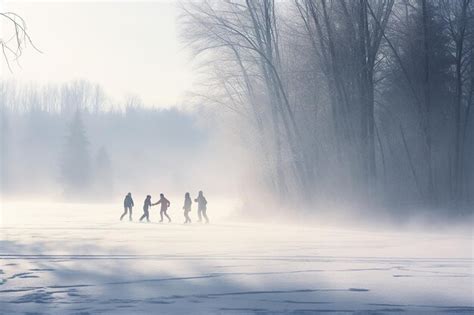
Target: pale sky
131, 48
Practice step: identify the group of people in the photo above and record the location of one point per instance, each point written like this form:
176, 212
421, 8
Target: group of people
165, 204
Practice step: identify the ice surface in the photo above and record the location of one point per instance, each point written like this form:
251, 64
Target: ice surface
79, 259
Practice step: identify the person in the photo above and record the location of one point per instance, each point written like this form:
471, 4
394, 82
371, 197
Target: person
165, 203
202, 207
187, 207
146, 205
127, 206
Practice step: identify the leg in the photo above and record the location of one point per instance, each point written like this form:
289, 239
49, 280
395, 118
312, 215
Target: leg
199, 215
169, 219
205, 215
130, 212
143, 216
161, 216
124, 213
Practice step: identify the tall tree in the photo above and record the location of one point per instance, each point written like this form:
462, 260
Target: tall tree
330, 87
103, 174
75, 162
457, 18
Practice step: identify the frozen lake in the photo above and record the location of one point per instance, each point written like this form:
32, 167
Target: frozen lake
80, 259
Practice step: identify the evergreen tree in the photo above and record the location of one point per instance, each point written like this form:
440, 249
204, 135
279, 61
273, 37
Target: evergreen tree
103, 173
75, 164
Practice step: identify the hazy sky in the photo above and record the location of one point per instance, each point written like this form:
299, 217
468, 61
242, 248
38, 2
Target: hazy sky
129, 47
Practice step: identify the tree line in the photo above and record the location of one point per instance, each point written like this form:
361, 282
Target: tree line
365, 102
71, 140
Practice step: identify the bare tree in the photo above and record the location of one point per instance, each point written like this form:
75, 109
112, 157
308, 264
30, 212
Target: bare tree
14, 44
330, 87
457, 18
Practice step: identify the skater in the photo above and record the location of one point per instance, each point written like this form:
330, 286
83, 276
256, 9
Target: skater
165, 203
202, 207
187, 207
127, 206
146, 205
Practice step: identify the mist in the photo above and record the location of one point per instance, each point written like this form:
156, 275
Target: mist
365, 110
326, 147
70, 143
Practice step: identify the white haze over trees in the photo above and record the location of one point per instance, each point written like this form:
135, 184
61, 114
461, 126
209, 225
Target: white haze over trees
308, 116
356, 104
68, 142
69, 139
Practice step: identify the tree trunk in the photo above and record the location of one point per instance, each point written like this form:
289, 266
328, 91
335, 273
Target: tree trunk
427, 100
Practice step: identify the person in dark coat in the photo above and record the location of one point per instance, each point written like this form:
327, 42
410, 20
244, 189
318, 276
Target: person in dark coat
127, 206
187, 207
202, 207
146, 205
165, 203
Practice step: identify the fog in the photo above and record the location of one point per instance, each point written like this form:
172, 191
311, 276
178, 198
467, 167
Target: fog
333, 142
339, 106
280, 118
68, 143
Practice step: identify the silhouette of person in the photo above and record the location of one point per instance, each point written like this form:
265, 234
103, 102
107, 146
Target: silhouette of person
202, 207
165, 203
146, 205
127, 206
187, 207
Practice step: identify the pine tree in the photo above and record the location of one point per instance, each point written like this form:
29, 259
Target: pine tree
75, 164
103, 173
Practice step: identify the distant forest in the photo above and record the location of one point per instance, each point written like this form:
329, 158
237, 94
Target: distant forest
70, 141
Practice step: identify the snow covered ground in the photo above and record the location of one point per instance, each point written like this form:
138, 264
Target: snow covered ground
79, 259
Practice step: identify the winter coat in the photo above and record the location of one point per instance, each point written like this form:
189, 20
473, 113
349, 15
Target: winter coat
187, 204
146, 204
128, 202
202, 202
165, 203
